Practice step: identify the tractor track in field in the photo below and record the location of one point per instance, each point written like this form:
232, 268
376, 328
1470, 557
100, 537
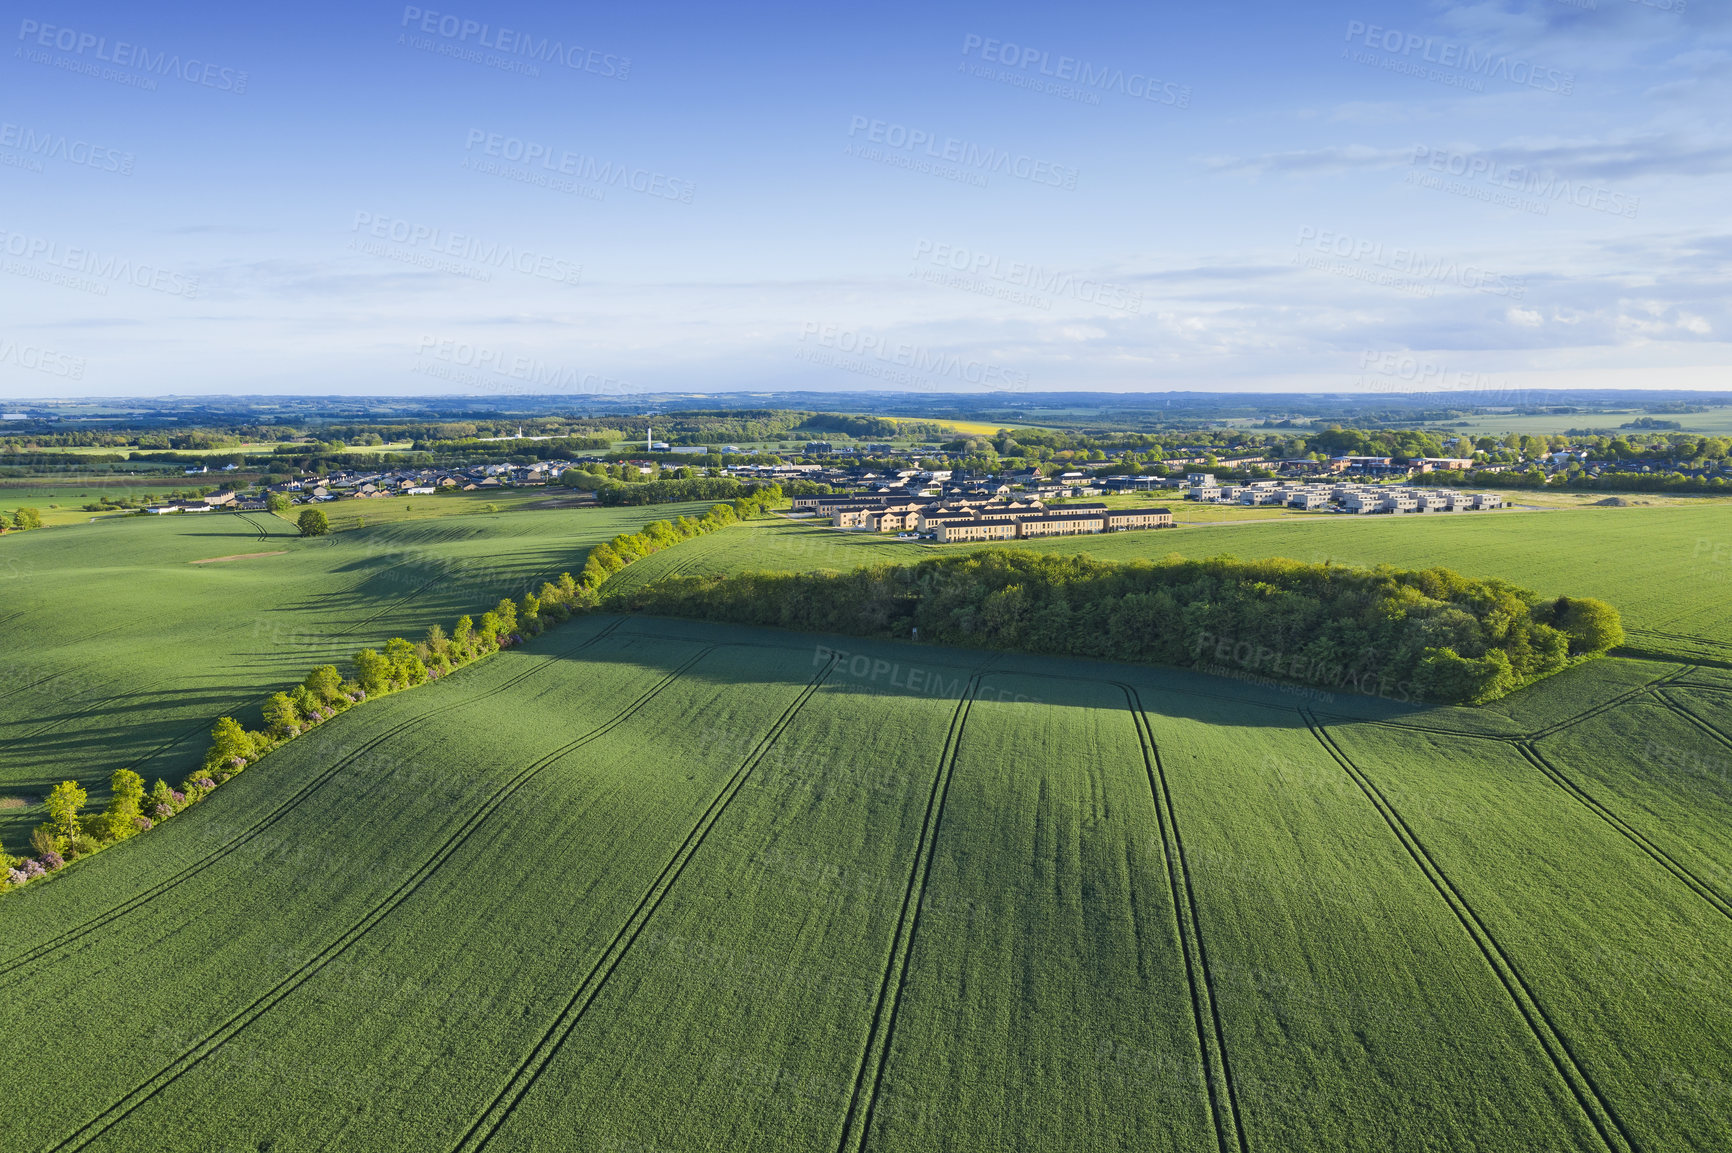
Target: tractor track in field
1651, 687
1211, 1038
528, 1071
869, 1077
1705, 641
140, 1094
77, 932
264, 533
1659, 856
1689, 715
1599, 1112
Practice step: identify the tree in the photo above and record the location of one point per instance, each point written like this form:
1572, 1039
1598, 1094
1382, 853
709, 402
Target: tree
306, 704
313, 523
231, 746
406, 666
278, 502
63, 805
125, 805
27, 518
325, 683
282, 714
373, 670
1593, 626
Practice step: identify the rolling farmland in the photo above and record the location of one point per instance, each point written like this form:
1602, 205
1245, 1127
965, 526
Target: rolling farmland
646, 884
124, 650
1665, 567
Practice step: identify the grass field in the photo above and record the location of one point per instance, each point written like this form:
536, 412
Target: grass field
1667, 568
119, 652
662, 885
1716, 421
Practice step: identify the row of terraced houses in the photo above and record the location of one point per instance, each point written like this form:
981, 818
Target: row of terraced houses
969, 520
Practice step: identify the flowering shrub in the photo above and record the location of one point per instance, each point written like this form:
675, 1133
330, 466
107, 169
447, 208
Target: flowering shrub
143, 823
161, 812
47, 862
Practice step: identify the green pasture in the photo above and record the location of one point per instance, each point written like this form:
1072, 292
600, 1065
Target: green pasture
647, 884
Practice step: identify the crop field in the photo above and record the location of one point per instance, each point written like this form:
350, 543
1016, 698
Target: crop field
117, 651
646, 884
1667, 568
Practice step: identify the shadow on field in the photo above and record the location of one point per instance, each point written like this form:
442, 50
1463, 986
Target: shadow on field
902, 668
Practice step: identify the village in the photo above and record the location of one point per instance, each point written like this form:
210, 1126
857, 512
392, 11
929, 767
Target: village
950, 504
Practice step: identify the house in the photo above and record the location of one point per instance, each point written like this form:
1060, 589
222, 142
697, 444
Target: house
1127, 519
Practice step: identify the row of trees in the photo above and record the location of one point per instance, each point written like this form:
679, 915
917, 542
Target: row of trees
1431, 635
401, 664
22, 519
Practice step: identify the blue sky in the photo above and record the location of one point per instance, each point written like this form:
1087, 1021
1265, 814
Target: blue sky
527, 198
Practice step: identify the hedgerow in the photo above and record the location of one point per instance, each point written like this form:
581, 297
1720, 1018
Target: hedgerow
1429, 635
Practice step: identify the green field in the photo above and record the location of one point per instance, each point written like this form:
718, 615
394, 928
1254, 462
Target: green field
662, 885
119, 651
647, 884
1668, 568
1715, 421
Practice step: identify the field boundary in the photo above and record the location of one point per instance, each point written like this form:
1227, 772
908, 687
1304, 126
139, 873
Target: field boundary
869, 1077
1659, 856
236, 1023
1597, 1109
1211, 1041
529, 1070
